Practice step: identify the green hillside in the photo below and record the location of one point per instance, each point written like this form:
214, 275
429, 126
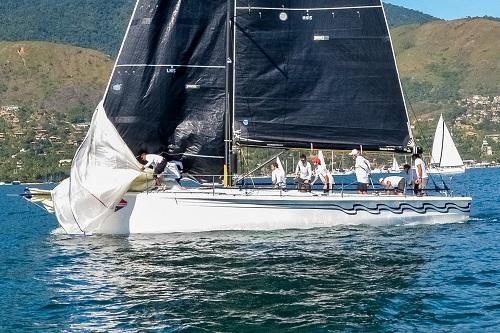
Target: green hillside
51, 76
45, 90
99, 24
95, 24
443, 60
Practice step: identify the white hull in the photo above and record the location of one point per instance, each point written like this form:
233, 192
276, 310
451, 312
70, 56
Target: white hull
199, 210
446, 170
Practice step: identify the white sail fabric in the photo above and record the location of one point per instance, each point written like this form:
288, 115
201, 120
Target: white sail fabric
444, 151
395, 165
321, 158
102, 171
280, 166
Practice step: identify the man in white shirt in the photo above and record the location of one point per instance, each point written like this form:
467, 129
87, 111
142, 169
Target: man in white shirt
362, 169
153, 161
422, 175
321, 172
278, 176
393, 184
304, 174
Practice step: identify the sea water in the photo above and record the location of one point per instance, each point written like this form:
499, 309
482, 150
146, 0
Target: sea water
424, 278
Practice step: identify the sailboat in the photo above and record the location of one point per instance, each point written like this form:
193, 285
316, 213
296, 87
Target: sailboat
395, 166
200, 80
445, 157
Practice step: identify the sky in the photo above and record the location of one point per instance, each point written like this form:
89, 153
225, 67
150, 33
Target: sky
452, 9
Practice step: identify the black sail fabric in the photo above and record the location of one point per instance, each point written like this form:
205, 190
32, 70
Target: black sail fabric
167, 92
316, 72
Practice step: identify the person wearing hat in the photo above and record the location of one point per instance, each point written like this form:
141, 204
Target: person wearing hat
393, 184
321, 172
304, 174
362, 169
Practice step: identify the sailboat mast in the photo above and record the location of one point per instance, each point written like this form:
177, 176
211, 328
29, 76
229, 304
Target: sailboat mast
228, 127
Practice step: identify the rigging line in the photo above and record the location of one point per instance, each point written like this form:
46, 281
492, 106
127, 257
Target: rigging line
170, 65
203, 156
302, 9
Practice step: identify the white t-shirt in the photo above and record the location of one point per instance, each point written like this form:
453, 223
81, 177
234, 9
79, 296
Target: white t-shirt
362, 169
304, 171
394, 180
420, 162
278, 178
322, 173
152, 160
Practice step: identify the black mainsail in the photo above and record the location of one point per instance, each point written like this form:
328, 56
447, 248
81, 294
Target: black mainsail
167, 91
316, 73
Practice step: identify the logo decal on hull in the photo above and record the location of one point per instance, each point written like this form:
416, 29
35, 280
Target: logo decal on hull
121, 204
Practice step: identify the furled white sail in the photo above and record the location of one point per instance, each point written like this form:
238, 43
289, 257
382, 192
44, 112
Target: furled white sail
444, 151
102, 172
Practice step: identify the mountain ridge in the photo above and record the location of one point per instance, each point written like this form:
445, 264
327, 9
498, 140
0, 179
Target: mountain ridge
101, 24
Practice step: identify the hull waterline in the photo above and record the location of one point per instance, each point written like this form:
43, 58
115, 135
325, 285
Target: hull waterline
448, 171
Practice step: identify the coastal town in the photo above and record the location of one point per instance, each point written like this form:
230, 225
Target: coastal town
25, 137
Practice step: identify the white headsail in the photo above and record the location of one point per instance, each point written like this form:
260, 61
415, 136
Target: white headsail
102, 172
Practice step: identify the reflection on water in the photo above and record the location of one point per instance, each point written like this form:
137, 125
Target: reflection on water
330, 279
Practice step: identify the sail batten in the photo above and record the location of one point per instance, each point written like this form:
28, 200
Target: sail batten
170, 65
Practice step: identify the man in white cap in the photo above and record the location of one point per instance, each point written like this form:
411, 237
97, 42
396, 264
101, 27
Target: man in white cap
363, 170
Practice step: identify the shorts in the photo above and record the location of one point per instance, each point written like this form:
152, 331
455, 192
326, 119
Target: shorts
160, 167
401, 186
363, 187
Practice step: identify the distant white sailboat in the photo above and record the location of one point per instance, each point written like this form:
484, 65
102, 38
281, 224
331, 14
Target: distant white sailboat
395, 166
445, 158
